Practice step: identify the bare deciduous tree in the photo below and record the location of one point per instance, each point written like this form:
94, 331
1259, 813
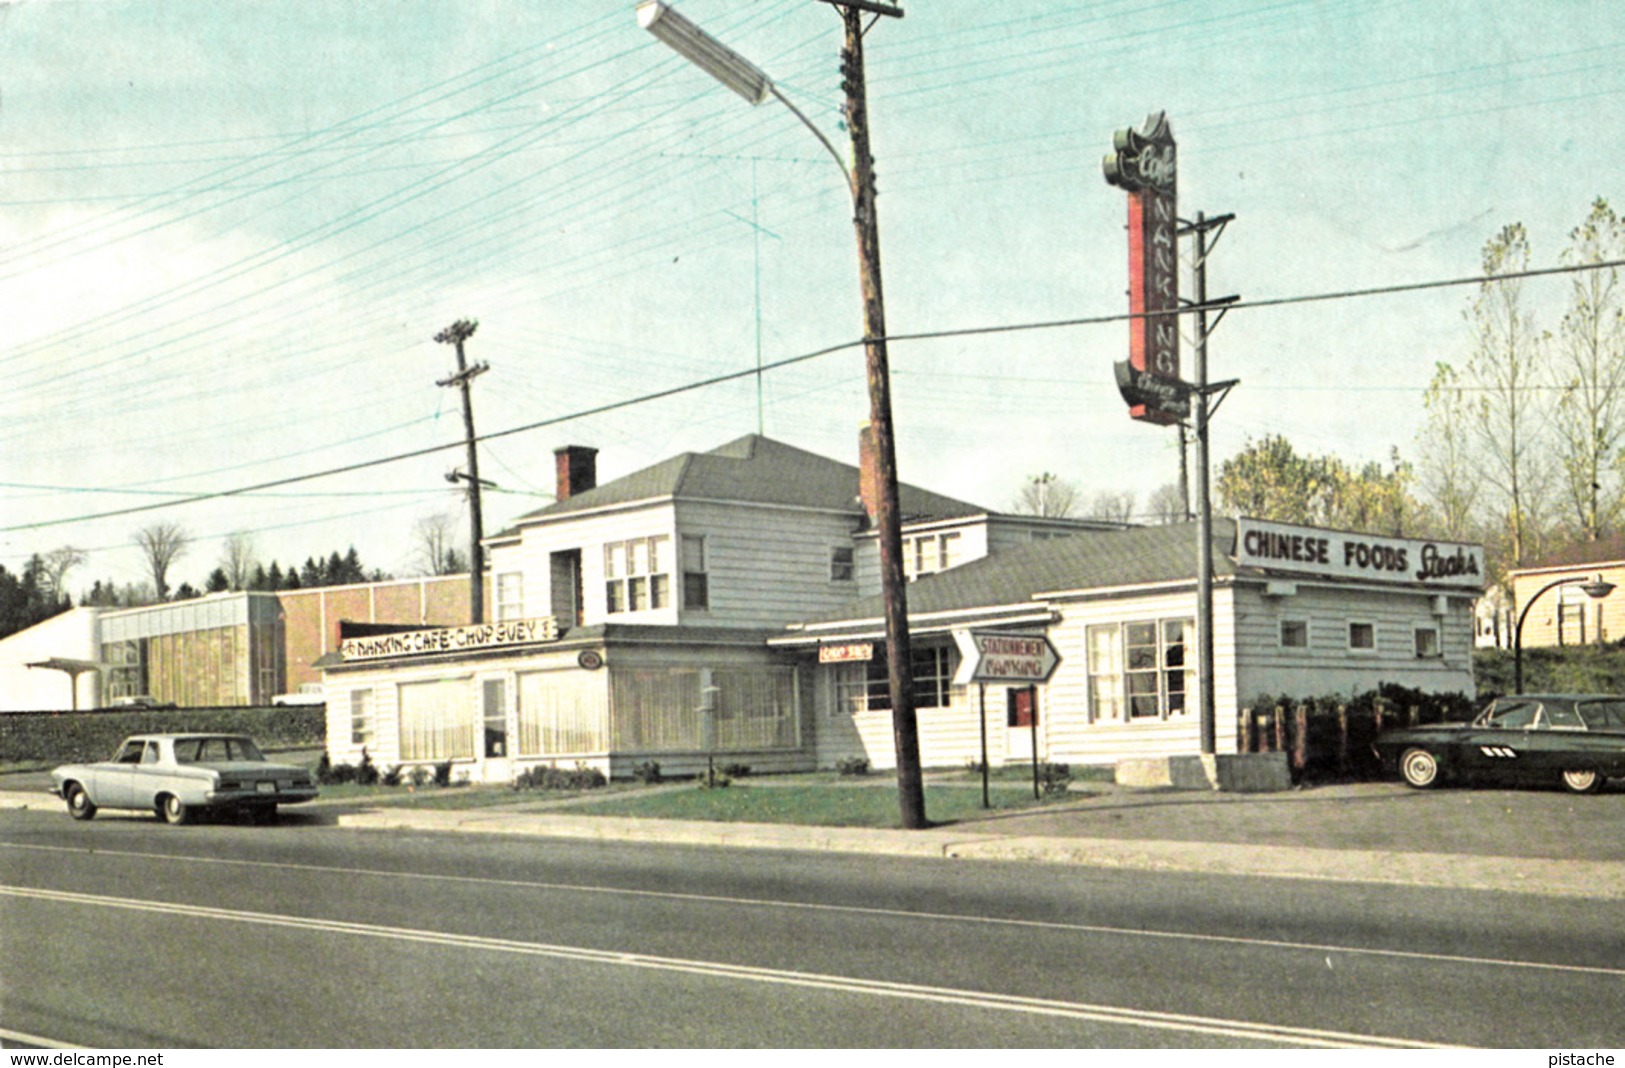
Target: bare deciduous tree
1167, 504
237, 560
1588, 369
1113, 507
1445, 472
438, 553
1504, 368
58, 562
1047, 495
162, 543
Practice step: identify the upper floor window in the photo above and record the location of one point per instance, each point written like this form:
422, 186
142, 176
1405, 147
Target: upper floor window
510, 596
1363, 636
927, 554
1427, 642
842, 564
696, 582
637, 575
1294, 634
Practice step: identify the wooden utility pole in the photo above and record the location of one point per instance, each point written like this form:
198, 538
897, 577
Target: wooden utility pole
456, 334
888, 518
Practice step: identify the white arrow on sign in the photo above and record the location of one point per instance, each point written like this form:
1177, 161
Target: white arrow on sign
1001, 656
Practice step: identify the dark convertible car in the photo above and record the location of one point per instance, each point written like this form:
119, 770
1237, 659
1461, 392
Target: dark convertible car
1577, 739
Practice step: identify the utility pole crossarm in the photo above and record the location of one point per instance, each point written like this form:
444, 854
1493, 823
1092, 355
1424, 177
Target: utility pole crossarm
456, 334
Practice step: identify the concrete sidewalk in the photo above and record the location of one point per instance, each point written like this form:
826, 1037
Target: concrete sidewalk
1523, 841
1009, 840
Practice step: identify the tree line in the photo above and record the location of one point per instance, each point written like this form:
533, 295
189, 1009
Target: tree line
1522, 446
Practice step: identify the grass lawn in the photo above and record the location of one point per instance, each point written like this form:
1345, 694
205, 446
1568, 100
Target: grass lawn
811, 804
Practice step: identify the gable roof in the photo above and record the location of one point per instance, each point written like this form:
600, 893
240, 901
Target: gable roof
1606, 550
1134, 557
752, 469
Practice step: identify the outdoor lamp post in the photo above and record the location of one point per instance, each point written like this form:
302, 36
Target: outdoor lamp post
750, 82
1596, 589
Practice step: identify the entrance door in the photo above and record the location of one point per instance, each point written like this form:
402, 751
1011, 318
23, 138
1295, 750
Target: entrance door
494, 753
1021, 719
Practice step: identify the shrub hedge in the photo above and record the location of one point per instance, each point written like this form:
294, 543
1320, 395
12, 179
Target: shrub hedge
52, 738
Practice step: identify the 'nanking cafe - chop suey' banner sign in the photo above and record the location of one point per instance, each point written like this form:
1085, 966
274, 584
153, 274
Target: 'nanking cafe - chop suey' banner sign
469, 639
1342, 554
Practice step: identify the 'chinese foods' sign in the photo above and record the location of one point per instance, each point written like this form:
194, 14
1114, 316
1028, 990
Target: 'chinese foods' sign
1283, 547
1143, 164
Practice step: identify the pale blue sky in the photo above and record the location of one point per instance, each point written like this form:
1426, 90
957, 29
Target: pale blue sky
231, 231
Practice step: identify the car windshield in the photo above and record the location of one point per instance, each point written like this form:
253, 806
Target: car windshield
1603, 715
215, 750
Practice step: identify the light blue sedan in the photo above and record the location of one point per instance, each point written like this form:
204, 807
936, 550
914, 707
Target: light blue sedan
178, 776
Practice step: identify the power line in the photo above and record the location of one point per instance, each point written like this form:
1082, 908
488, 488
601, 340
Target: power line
705, 383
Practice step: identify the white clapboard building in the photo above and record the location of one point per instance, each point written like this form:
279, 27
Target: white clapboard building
725, 605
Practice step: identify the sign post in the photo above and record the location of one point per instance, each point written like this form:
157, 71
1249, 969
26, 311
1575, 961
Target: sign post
1004, 657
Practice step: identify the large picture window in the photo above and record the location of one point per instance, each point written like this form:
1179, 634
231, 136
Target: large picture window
1139, 670
437, 720
637, 575
866, 687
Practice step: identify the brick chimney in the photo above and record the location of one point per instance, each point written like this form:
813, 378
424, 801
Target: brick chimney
577, 469
868, 475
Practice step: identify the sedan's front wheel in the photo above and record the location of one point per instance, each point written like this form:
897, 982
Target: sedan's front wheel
80, 806
1582, 782
1420, 768
173, 809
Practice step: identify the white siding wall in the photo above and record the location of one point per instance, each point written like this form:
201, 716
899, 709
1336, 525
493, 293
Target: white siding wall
72, 634
1328, 666
973, 545
1069, 736
532, 557
767, 567
950, 737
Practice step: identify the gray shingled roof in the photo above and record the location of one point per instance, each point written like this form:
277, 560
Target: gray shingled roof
1132, 557
754, 469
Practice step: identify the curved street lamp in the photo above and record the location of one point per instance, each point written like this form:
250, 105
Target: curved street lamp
1596, 589
748, 80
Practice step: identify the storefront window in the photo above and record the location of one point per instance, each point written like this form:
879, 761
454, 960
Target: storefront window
361, 717
1138, 670
866, 687
437, 721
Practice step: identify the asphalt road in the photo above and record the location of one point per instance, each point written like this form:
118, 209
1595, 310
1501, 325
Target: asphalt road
123, 932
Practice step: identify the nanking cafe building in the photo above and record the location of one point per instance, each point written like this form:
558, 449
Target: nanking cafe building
1298, 611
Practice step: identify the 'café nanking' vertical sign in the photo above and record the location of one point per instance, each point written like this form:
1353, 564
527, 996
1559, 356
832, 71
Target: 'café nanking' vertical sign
1143, 165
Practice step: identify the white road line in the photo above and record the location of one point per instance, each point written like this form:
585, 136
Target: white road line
862, 910
34, 1040
1107, 1014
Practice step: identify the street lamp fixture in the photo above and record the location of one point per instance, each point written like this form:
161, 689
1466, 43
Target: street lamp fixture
1596, 589
704, 51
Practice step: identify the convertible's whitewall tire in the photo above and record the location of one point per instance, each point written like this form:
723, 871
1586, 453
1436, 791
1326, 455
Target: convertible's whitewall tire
173, 810
80, 806
1420, 768
1582, 782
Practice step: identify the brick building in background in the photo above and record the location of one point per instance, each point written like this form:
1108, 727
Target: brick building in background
245, 648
